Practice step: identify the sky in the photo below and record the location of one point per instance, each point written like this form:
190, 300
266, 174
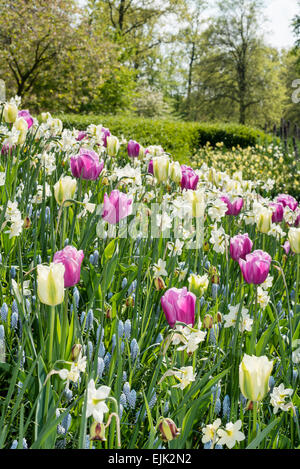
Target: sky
279, 14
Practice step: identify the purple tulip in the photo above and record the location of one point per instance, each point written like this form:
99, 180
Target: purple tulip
150, 167
81, 135
179, 306
240, 246
106, 133
189, 178
86, 165
115, 207
287, 201
256, 267
297, 222
71, 259
133, 149
26, 115
235, 207
277, 208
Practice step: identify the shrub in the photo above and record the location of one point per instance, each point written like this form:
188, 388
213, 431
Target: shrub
181, 139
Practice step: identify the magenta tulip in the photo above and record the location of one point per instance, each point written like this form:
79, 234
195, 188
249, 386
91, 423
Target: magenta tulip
277, 208
287, 201
86, 165
179, 306
106, 133
234, 207
189, 178
256, 267
26, 115
81, 135
115, 207
240, 246
150, 167
71, 259
133, 149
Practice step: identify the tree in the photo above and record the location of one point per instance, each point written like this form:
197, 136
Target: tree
33, 35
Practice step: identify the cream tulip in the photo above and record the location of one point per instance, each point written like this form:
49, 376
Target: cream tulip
65, 189
254, 374
50, 280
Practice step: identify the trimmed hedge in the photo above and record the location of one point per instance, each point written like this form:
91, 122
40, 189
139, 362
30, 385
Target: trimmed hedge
180, 139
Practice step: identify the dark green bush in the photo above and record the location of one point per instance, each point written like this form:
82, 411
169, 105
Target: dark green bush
180, 139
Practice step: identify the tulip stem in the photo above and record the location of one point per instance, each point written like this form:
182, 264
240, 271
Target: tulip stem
254, 331
297, 284
51, 334
64, 329
254, 420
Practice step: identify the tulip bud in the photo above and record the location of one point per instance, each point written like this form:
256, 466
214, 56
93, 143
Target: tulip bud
168, 429
206, 247
50, 280
219, 316
105, 181
97, 432
45, 116
208, 321
161, 168
75, 352
264, 220
254, 375
113, 145
294, 239
27, 223
21, 125
10, 113
159, 283
175, 172
130, 301
108, 313
65, 189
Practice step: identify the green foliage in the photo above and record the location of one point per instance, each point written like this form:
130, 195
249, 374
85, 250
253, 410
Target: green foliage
181, 139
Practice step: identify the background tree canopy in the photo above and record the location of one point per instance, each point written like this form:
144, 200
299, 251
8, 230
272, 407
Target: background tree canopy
150, 58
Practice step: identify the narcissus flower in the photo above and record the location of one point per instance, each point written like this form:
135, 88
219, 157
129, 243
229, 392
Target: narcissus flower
71, 259
96, 401
255, 268
50, 280
231, 434
254, 374
179, 306
116, 207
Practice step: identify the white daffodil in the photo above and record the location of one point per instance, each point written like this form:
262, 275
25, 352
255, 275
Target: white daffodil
96, 406
278, 398
210, 432
231, 434
159, 269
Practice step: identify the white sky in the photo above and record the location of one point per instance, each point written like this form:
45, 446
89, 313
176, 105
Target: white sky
280, 13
